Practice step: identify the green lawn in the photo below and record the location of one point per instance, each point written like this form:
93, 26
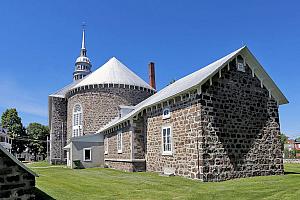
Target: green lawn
63, 183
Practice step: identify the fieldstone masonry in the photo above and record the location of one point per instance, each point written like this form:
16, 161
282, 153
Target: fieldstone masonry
185, 123
230, 130
100, 105
15, 182
58, 128
240, 128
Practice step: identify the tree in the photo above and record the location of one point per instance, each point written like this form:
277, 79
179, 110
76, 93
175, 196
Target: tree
37, 139
283, 140
13, 123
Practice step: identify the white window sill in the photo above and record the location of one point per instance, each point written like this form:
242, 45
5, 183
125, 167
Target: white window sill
166, 117
167, 153
119, 151
87, 161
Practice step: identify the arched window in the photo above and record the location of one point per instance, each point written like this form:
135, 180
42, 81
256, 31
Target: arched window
77, 121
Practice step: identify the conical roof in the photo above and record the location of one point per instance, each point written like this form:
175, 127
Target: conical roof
113, 72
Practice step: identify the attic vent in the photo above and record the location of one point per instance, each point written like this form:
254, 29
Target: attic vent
240, 63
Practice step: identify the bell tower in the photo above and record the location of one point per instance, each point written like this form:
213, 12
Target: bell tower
83, 64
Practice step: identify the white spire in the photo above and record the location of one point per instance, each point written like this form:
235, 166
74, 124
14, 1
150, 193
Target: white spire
82, 64
83, 39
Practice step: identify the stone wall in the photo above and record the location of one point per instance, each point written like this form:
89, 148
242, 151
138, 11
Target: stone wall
240, 128
230, 130
139, 139
112, 152
15, 182
58, 128
132, 157
100, 105
184, 122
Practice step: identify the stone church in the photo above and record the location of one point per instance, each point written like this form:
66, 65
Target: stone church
218, 123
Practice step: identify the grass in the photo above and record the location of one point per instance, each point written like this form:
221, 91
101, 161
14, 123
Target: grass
97, 183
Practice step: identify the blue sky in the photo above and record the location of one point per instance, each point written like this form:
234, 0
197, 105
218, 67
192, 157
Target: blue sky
40, 41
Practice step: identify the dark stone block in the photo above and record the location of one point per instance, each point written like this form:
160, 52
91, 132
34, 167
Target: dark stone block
13, 178
5, 171
5, 194
11, 186
28, 176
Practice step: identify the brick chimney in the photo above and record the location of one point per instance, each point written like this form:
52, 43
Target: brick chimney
152, 75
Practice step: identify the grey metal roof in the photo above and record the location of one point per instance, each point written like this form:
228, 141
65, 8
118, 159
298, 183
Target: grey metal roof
17, 161
62, 92
199, 77
113, 72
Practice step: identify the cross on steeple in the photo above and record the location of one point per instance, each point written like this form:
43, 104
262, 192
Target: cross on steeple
83, 25
83, 37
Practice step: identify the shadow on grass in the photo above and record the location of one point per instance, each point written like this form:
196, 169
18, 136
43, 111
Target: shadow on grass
286, 173
39, 195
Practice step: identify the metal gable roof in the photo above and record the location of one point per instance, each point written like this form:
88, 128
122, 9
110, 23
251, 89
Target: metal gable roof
113, 72
199, 77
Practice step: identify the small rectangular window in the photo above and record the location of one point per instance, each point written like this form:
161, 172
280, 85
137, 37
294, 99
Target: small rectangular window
166, 140
119, 142
240, 67
87, 154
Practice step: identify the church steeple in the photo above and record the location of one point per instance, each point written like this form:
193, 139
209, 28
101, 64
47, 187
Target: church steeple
83, 50
82, 65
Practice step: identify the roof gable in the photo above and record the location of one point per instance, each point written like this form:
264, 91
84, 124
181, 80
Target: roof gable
113, 72
198, 78
17, 161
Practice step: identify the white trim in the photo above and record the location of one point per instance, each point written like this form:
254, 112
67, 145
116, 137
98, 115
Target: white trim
166, 116
87, 160
170, 152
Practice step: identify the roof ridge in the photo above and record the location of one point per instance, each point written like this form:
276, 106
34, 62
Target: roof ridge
197, 78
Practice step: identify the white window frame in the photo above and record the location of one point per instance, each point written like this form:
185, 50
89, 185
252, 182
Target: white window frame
77, 121
106, 145
170, 151
85, 160
240, 66
119, 141
167, 116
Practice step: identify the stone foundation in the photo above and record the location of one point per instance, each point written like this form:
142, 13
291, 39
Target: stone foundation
128, 166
